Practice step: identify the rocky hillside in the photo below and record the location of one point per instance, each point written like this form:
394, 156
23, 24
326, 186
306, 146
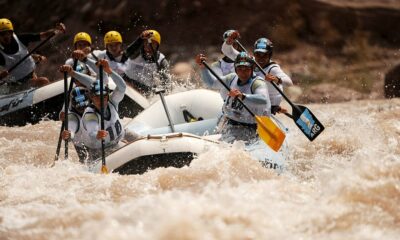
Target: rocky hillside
339, 34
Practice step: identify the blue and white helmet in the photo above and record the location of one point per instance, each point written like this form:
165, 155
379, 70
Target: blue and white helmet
79, 98
95, 88
244, 59
263, 45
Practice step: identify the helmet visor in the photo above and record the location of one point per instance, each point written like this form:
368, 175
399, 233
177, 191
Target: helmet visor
243, 63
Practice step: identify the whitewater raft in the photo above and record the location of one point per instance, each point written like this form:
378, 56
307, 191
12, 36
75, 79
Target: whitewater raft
194, 115
32, 105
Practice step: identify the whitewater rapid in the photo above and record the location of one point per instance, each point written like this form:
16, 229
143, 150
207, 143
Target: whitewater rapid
344, 185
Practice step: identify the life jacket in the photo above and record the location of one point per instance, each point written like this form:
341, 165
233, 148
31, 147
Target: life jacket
115, 65
226, 67
81, 67
234, 110
25, 68
274, 95
112, 124
78, 139
144, 72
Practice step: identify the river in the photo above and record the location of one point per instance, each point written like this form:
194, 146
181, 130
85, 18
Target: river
343, 185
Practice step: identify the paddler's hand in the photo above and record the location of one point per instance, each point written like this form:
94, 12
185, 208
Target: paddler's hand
282, 110
87, 50
3, 74
60, 28
62, 116
39, 58
236, 93
79, 54
102, 134
66, 68
199, 60
272, 78
66, 135
39, 81
105, 64
147, 34
232, 37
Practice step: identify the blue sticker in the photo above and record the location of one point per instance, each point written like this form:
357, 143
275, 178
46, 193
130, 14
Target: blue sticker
79, 68
306, 122
261, 45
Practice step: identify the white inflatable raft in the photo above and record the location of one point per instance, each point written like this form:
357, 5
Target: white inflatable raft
159, 147
32, 105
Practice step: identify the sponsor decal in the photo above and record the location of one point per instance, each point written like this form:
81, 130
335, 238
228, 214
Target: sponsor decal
11, 103
268, 163
307, 123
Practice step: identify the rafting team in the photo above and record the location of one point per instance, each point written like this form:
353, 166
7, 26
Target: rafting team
142, 66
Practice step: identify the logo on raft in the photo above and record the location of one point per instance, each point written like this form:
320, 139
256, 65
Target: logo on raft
268, 163
15, 102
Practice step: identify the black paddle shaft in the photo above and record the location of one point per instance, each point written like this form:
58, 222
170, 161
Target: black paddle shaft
66, 104
63, 123
226, 86
103, 156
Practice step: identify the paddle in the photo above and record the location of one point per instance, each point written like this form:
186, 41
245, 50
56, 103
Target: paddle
309, 125
29, 54
66, 96
271, 134
161, 91
103, 155
63, 123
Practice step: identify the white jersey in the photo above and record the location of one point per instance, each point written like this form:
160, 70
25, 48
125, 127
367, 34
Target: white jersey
223, 68
116, 64
274, 69
234, 110
75, 126
81, 67
26, 67
91, 124
144, 72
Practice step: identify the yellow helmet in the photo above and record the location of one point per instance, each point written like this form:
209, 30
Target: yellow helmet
5, 25
112, 37
82, 36
156, 36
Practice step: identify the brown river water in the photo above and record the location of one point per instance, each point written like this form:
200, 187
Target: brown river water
344, 185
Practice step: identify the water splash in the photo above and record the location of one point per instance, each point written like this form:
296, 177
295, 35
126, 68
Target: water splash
344, 185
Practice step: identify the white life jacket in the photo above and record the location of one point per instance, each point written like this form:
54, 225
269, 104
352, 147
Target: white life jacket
117, 65
226, 67
112, 125
234, 110
144, 72
78, 139
274, 95
23, 69
81, 67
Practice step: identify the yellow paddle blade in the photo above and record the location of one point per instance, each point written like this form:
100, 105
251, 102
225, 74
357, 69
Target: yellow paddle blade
271, 134
104, 169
